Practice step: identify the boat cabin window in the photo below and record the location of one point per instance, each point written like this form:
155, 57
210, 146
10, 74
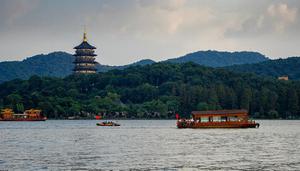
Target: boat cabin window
234, 118
204, 119
224, 118
216, 119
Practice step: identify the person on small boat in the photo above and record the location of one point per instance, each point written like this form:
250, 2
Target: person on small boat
108, 123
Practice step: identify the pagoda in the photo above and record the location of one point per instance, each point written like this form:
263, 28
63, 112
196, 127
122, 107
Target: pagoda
84, 58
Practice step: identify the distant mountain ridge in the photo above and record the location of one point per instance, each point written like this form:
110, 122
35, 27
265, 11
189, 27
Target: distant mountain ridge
220, 59
56, 64
59, 64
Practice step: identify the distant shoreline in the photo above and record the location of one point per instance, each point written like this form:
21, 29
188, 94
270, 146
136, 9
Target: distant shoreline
155, 119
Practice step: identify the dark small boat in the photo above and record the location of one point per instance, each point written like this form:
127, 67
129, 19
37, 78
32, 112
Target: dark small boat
107, 123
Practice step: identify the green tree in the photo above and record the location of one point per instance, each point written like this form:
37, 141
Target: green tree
293, 102
213, 100
156, 108
47, 108
272, 114
202, 106
20, 107
245, 98
14, 101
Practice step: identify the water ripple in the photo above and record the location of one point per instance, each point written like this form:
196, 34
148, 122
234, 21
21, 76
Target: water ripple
147, 145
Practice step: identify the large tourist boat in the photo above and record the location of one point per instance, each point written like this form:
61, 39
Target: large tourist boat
218, 119
28, 115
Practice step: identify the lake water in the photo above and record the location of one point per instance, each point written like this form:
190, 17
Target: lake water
147, 145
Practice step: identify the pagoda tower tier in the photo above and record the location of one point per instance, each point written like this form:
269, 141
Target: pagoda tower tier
85, 58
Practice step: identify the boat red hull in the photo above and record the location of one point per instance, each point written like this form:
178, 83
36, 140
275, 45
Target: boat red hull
182, 124
23, 119
103, 124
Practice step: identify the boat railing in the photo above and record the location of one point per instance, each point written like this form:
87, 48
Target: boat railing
229, 121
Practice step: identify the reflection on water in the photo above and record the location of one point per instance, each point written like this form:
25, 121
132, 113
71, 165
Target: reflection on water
147, 145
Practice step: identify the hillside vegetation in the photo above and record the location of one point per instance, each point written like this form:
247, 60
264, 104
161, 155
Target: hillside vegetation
275, 68
153, 91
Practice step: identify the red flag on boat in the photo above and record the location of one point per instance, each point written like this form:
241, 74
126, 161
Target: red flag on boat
177, 116
97, 117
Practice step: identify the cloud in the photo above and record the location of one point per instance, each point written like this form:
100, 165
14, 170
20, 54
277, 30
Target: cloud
168, 17
165, 4
12, 10
276, 18
156, 29
281, 15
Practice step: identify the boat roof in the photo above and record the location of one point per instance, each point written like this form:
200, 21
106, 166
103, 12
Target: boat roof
220, 112
20, 114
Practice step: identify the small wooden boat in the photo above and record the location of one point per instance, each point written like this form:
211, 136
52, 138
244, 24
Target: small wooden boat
107, 123
218, 119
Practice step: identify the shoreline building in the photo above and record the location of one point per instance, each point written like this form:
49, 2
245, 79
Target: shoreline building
285, 78
84, 58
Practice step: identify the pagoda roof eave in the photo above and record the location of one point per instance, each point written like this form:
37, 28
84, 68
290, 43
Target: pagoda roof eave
84, 69
84, 54
84, 45
85, 62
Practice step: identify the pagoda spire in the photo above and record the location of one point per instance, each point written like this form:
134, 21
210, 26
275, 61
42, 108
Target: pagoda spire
84, 35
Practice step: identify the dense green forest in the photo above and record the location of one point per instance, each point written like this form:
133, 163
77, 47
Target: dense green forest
153, 91
279, 67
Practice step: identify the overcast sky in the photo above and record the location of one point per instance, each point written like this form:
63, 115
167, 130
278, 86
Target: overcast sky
125, 31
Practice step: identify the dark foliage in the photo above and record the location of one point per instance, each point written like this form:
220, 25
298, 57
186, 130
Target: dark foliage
275, 68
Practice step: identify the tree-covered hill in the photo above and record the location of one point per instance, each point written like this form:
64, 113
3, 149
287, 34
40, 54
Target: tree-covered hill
59, 64
153, 91
280, 67
56, 64
220, 59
